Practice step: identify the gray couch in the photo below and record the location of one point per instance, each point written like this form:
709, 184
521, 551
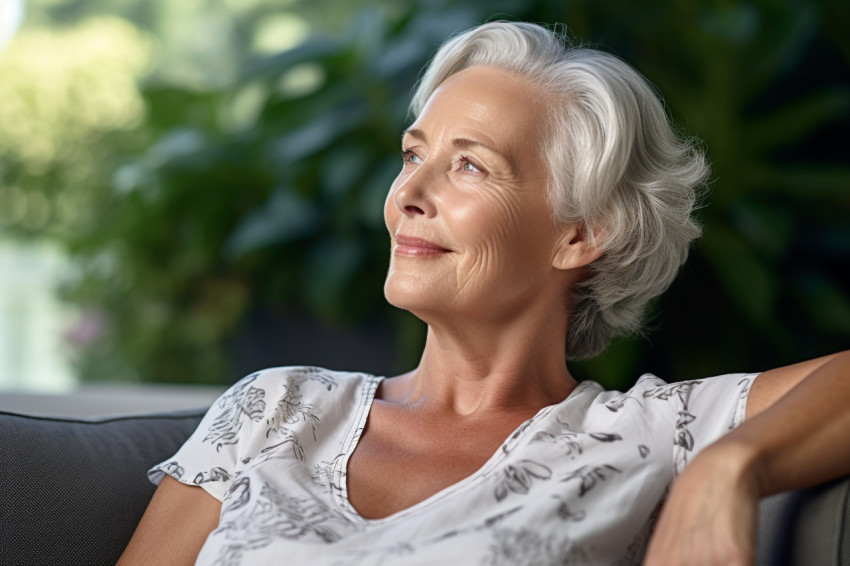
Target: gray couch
73, 490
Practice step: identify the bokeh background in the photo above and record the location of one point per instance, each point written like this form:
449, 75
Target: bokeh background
192, 189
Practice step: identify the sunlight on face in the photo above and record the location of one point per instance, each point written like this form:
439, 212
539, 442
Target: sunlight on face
468, 214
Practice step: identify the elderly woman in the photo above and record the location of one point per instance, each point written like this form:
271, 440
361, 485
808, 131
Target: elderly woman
543, 199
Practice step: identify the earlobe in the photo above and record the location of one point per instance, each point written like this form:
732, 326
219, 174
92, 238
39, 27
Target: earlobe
575, 248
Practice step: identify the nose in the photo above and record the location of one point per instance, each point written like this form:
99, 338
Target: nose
413, 194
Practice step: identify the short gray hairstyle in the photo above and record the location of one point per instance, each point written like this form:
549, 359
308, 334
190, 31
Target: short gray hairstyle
616, 165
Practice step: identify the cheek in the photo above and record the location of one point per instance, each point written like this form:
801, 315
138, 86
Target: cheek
497, 226
504, 245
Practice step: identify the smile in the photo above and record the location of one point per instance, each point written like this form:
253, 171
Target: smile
408, 246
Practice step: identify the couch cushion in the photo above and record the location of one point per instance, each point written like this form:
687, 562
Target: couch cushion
72, 491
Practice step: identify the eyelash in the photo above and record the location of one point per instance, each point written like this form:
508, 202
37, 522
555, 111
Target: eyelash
465, 159
406, 153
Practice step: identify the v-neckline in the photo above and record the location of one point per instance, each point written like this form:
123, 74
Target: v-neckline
355, 432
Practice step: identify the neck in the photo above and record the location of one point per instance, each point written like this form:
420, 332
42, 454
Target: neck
472, 367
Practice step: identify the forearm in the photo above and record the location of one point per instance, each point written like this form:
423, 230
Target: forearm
802, 439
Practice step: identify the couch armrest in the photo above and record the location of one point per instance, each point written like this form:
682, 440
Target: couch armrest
809, 527
71, 490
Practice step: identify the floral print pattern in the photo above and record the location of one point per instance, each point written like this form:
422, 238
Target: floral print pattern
243, 401
518, 478
274, 448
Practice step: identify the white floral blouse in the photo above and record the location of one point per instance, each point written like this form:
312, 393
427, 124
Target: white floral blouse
579, 483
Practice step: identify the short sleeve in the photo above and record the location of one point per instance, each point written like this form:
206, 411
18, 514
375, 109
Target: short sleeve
229, 432
708, 409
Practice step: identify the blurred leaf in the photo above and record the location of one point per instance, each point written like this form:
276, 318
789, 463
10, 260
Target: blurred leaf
175, 146
330, 268
342, 169
802, 182
731, 23
316, 48
785, 28
400, 56
826, 303
834, 16
284, 218
317, 135
169, 107
833, 240
744, 277
376, 188
798, 119
769, 226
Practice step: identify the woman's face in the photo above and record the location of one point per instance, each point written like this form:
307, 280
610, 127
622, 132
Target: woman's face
471, 229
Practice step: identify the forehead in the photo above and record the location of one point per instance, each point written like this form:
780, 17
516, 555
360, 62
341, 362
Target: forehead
505, 109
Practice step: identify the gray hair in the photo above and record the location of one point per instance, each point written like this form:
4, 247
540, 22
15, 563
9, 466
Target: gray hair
616, 165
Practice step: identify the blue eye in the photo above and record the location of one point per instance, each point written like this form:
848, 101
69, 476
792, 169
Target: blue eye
407, 156
467, 166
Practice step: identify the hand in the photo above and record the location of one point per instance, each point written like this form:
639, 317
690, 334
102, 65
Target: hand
710, 516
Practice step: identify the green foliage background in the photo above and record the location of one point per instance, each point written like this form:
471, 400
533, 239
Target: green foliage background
263, 194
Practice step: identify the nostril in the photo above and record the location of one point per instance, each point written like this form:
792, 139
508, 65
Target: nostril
413, 209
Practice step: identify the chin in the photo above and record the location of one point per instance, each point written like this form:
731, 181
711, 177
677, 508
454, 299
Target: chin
409, 293
401, 296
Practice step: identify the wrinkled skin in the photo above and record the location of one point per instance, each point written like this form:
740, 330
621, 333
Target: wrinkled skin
473, 181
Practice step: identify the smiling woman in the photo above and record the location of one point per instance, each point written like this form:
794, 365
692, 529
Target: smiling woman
542, 200
473, 180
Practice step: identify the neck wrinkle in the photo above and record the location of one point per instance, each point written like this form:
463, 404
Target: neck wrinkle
473, 369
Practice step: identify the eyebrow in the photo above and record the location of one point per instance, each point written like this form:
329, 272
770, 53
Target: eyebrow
461, 143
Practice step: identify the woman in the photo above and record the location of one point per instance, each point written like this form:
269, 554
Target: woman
543, 199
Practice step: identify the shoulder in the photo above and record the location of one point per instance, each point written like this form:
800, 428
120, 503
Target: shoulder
692, 413
262, 412
653, 398
647, 387
327, 378
651, 387
268, 397
272, 382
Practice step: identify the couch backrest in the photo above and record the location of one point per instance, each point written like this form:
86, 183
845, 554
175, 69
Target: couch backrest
72, 491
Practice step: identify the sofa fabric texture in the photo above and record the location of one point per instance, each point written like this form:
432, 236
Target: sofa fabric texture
72, 491
806, 527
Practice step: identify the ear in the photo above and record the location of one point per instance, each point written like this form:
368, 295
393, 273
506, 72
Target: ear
574, 248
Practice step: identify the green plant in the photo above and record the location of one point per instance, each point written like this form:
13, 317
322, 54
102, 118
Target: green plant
69, 99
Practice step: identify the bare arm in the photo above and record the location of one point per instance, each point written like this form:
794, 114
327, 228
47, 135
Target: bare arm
174, 527
795, 435
799, 438
772, 385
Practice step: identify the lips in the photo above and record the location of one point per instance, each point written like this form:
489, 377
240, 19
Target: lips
410, 246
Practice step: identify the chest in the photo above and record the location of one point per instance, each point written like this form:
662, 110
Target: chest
401, 461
